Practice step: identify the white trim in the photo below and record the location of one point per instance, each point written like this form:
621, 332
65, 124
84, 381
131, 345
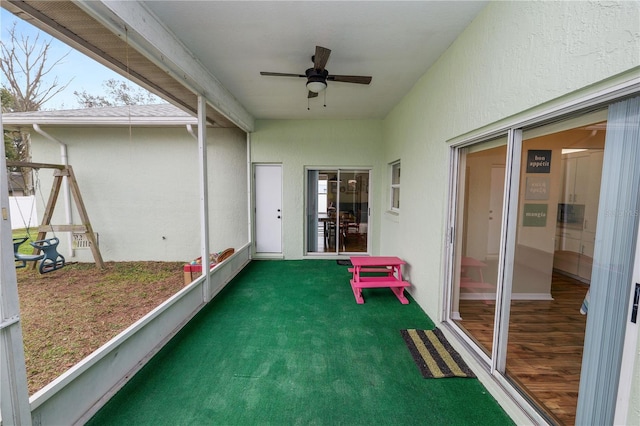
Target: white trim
507, 250
62, 121
514, 296
522, 402
392, 186
250, 203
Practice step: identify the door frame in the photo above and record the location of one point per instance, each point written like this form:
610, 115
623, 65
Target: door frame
337, 253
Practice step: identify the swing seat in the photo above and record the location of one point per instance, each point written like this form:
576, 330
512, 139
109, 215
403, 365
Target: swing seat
51, 259
20, 258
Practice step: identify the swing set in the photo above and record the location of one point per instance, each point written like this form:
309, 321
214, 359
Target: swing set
45, 249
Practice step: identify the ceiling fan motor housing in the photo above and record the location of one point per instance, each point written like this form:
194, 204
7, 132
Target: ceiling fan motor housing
316, 79
316, 75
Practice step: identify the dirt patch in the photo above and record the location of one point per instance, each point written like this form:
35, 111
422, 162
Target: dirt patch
69, 313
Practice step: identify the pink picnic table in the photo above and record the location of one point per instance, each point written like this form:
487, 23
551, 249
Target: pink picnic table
389, 265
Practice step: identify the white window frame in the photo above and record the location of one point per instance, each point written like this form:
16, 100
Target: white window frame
393, 187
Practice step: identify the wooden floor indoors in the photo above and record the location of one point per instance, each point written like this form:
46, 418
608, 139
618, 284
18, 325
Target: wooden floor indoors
353, 243
546, 338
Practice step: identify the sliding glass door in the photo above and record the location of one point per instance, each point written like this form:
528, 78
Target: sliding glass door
337, 211
531, 237
557, 214
481, 174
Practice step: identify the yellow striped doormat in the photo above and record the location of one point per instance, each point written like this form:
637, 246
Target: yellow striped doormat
433, 355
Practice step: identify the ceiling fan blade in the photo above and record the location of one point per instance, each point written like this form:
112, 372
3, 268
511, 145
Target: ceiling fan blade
312, 95
359, 79
321, 57
281, 74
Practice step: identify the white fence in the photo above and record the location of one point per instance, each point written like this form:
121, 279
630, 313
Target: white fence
23, 212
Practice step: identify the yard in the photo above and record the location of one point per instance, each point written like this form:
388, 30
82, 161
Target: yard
69, 313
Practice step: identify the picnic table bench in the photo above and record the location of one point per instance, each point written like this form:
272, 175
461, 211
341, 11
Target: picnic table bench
389, 265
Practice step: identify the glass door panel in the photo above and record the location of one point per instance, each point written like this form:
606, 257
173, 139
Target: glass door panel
353, 213
481, 177
337, 211
561, 166
321, 211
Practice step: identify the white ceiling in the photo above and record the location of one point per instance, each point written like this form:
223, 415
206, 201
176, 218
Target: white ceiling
395, 42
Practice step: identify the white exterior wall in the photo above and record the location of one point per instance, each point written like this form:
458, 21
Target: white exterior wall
323, 143
141, 189
512, 59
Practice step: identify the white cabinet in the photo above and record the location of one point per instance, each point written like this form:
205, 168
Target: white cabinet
571, 241
575, 242
575, 182
593, 192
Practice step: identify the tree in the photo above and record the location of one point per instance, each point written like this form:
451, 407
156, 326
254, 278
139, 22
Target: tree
25, 64
13, 145
7, 100
117, 93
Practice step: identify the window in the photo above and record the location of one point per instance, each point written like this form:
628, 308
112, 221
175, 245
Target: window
395, 186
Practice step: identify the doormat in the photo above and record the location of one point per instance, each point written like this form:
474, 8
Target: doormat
434, 356
344, 262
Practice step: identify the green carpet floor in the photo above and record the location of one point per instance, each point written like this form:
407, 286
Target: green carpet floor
286, 344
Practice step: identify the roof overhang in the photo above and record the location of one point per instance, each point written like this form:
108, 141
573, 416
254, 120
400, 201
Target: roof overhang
100, 122
128, 39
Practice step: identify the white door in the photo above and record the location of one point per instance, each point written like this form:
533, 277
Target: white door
268, 221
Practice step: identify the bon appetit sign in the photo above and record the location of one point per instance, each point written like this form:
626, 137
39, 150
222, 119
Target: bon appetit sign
539, 161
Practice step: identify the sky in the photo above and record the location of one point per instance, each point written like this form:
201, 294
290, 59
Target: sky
84, 72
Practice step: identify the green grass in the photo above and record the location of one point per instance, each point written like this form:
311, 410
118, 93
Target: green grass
25, 248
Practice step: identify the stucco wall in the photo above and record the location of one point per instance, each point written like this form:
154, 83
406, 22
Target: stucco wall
514, 58
141, 189
322, 143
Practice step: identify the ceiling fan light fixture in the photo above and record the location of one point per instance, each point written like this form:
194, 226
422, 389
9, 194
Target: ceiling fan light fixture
316, 86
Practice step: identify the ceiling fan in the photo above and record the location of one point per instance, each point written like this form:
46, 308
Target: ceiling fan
317, 76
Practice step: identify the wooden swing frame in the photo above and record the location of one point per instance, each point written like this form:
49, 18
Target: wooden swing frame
60, 171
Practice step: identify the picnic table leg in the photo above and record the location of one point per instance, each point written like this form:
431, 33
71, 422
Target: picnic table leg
399, 292
357, 292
